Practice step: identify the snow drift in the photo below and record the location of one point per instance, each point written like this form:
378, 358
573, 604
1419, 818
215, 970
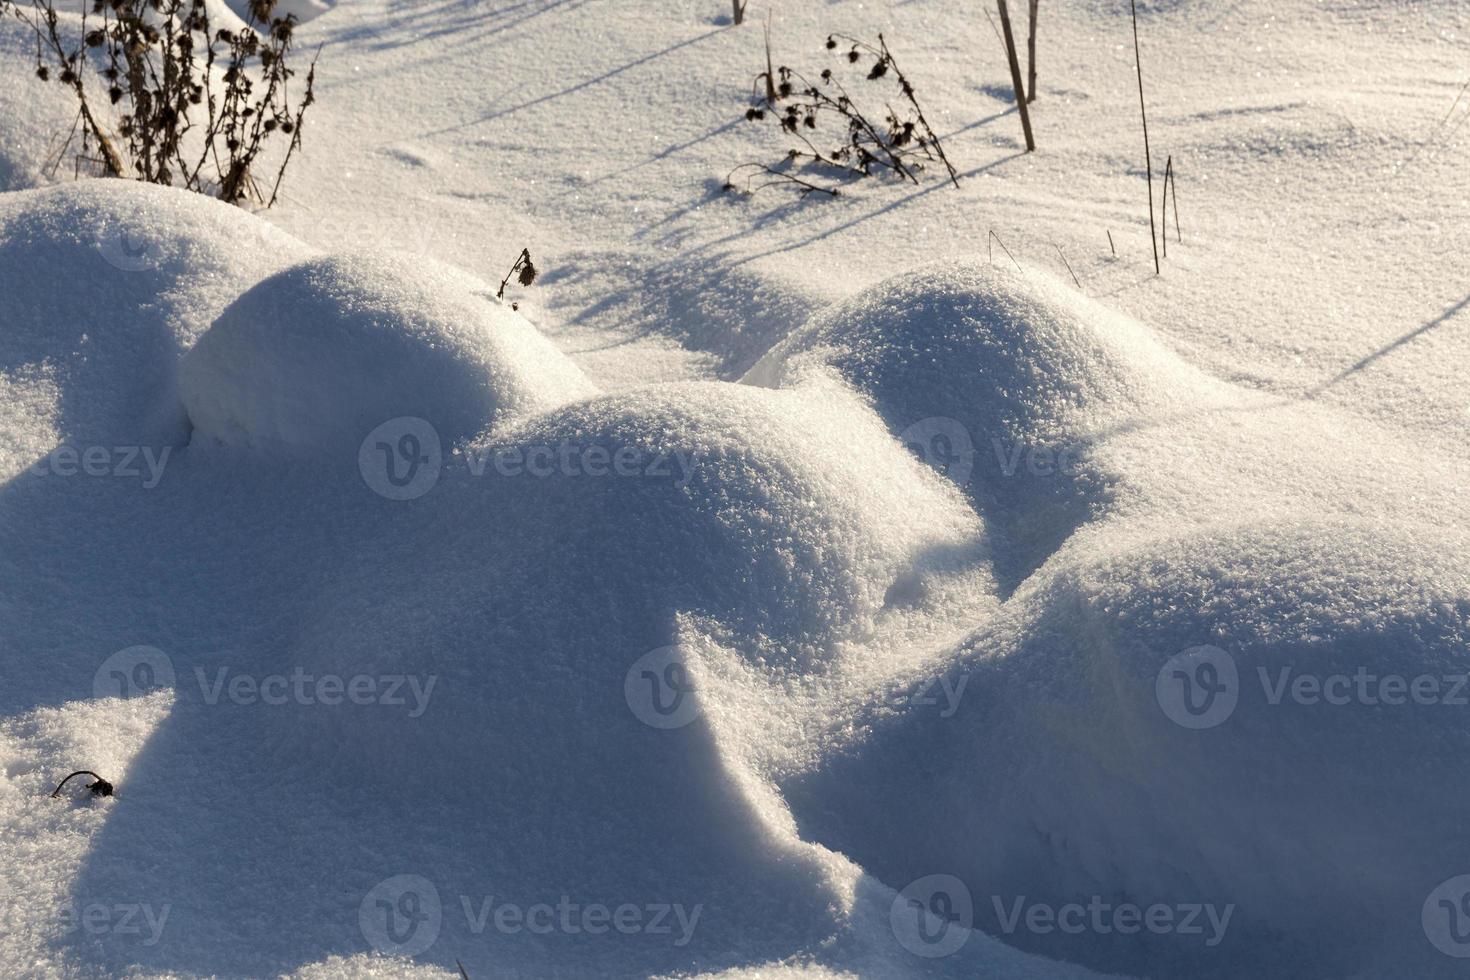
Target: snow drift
314, 358
1071, 772
1001, 379
103, 286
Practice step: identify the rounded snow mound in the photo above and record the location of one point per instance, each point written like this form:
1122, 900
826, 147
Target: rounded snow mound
319, 355
1257, 719
559, 730
999, 379
790, 515
103, 285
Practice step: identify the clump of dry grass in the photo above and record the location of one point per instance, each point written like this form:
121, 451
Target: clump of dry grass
899, 142
185, 105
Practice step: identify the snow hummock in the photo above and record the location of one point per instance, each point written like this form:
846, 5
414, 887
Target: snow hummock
791, 513
314, 357
977, 366
103, 286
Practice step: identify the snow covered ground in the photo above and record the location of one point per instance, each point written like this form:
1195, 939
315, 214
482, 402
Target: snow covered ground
788, 586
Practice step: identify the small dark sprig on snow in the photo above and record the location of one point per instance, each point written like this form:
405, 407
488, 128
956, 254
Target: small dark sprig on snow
523, 271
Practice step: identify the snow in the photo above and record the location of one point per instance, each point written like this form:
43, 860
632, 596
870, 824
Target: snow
1003, 380
783, 587
312, 358
105, 286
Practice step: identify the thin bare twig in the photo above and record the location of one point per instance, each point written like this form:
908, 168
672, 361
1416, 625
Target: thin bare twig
1016, 86
991, 255
1170, 184
1066, 263
779, 176
1147, 159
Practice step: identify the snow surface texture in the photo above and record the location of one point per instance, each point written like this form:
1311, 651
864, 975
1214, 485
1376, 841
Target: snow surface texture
762, 575
302, 362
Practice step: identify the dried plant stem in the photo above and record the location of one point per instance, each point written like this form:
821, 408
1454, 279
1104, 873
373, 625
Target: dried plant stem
778, 176
1147, 159
1066, 263
993, 26
523, 261
908, 91
770, 70
1016, 86
1171, 189
990, 254
161, 65
1031, 54
885, 56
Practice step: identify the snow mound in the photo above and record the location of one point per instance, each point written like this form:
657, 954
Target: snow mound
1000, 379
317, 356
103, 285
791, 515
533, 756
1184, 722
